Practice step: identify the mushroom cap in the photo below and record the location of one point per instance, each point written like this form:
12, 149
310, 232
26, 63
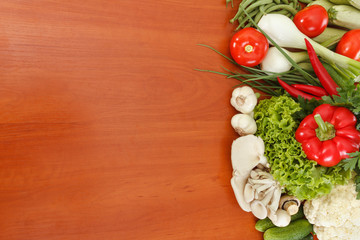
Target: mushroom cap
281, 218
246, 153
238, 186
258, 209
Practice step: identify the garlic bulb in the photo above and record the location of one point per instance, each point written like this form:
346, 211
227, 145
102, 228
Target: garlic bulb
243, 124
243, 99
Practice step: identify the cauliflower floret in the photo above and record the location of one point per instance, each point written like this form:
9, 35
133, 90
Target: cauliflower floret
335, 216
345, 232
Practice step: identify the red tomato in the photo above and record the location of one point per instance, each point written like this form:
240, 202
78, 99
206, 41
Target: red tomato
248, 47
349, 45
311, 20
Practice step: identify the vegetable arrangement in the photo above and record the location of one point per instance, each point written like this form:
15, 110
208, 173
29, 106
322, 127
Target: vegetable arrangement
299, 143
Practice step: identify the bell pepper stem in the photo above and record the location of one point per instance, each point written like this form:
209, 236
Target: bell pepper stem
325, 130
320, 122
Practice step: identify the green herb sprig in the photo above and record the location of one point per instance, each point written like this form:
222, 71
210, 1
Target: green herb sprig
353, 164
349, 97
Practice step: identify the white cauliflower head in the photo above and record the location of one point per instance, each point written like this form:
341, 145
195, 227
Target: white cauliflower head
337, 215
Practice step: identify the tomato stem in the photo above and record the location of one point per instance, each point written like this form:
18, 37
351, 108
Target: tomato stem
249, 48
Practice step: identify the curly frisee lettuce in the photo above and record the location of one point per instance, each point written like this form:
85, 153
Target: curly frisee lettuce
301, 177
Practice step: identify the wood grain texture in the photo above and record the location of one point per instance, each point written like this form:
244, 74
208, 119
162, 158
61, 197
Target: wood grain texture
107, 132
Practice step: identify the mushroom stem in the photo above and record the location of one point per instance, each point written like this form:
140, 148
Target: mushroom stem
291, 207
290, 204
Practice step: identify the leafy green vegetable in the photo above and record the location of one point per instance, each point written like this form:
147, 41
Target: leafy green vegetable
307, 107
353, 164
289, 165
349, 96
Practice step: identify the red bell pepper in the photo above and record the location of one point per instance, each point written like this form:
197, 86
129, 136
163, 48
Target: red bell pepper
328, 134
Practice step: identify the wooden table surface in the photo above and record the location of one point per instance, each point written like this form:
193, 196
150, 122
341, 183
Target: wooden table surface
107, 131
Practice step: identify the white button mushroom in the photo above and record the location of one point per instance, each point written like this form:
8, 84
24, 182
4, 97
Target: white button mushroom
281, 218
290, 204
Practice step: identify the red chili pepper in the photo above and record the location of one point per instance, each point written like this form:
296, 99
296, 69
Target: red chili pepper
328, 134
295, 92
314, 90
325, 79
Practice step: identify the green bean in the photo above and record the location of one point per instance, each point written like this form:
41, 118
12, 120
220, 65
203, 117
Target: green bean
262, 8
289, 15
244, 20
242, 6
295, 4
258, 16
248, 25
230, 1
257, 4
256, 9
268, 6
306, 1
284, 7
292, 3
282, 12
253, 11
